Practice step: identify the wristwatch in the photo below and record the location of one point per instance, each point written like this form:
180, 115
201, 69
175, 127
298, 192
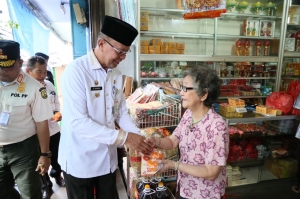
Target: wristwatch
48, 154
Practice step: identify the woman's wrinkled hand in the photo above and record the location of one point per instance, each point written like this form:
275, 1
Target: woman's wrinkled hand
167, 164
151, 141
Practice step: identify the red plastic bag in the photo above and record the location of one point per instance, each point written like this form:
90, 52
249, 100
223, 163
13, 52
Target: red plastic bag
282, 101
294, 89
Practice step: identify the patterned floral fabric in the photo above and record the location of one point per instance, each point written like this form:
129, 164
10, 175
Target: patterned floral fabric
204, 143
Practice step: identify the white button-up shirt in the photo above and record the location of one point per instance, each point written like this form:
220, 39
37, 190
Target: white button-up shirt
55, 105
88, 132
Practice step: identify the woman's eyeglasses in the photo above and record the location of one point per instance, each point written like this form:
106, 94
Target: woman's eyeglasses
117, 50
185, 89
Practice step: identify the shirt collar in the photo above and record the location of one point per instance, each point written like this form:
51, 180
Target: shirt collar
18, 80
95, 64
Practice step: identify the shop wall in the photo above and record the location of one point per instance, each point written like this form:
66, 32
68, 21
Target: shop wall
127, 66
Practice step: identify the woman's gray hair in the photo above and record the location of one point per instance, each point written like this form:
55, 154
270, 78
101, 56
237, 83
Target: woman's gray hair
205, 80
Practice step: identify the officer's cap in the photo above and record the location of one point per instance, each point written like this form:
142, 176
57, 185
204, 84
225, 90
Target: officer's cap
119, 30
9, 53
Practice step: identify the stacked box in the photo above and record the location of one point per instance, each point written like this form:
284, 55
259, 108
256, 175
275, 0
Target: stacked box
144, 22
144, 49
229, 111
155, 49
238, 103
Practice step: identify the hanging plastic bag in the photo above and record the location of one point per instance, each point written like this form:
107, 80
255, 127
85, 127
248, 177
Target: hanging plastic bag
195, 9
282, 101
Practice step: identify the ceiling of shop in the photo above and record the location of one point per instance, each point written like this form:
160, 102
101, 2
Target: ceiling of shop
53, 13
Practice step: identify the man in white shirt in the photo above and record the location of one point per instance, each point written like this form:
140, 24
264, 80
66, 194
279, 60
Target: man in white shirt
36, 68
93, 100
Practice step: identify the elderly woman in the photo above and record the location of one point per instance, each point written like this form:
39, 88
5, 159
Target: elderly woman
202, 136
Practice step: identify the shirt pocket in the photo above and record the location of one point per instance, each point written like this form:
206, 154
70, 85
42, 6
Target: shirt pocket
17, 107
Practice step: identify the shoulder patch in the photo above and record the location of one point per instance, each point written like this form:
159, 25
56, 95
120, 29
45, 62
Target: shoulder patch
43, 92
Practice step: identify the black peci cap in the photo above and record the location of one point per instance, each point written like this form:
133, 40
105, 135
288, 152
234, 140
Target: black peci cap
119, 30
42, 55
9, 53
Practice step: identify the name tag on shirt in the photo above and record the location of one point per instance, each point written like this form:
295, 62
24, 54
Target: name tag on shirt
98, 88
4, 118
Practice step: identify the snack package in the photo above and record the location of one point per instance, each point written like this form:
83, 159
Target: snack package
195, 9
150, 163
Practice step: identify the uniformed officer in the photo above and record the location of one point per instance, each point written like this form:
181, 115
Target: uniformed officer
93, 100
24, 131
36, 68
49, 76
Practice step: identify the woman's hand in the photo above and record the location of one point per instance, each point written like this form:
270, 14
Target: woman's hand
151, 141
167, 164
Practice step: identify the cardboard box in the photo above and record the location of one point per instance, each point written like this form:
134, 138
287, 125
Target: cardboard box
155, 42
179, 51
144, 47
180, 4
144, 24
165, 45
267, 28
144, 16
157, 51
172, 45
164, 51
172, 51
180, 46
288, 163
251, 28
289, 44
156, 47
145, 43
144, 51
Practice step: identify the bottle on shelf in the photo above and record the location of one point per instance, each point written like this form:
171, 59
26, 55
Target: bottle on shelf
147, 193
162, 192
238, 45
266, 47
154, 182
141, 184
247, 46
258, 47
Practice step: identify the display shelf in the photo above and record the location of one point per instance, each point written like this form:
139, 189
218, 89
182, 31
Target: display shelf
251, 161
162, 10
290, 76
157, 78
247, 77
266, 174
243, 97
222, 36
177, 57
208, 58
253, 117
239, 16
291, 54
250, 173
293, 25
230, 58
177, 34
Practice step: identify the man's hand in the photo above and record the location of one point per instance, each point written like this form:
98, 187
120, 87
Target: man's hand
152, 141
137, 142
43, 165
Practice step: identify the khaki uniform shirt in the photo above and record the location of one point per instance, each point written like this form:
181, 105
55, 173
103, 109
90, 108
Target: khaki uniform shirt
25, 100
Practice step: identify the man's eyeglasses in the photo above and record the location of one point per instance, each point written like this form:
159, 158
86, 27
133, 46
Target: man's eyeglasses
185, 89
118, 51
